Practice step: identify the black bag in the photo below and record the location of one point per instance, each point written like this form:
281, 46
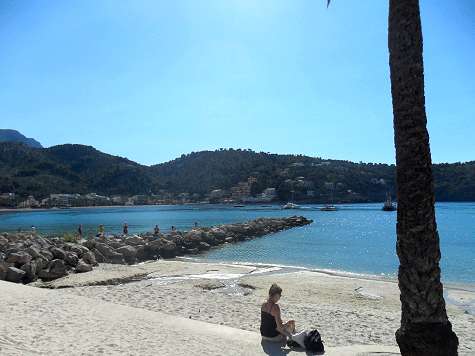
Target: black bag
313, 342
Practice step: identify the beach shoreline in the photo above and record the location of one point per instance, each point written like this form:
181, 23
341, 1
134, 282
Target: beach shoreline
346, 310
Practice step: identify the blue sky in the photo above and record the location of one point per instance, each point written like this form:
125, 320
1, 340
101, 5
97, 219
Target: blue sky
150, 80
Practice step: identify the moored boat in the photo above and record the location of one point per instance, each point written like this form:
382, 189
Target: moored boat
388, 204
291, 206
328, 207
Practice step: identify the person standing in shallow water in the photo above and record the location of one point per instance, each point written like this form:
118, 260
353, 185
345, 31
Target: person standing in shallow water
101, 231
125, 229
156, 230
272, 327
80, 232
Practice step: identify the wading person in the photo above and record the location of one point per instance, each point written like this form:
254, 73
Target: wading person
101, 231
156, 230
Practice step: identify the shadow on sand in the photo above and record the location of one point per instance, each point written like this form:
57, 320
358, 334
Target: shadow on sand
278, 349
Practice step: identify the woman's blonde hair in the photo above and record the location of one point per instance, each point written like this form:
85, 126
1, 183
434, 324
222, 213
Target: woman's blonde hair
274, 289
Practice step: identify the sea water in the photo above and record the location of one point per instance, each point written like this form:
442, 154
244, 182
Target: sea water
357, 238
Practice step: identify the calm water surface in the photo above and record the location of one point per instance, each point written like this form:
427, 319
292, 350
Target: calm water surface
357, 238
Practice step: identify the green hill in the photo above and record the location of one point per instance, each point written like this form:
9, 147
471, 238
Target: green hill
69, 169
82, 169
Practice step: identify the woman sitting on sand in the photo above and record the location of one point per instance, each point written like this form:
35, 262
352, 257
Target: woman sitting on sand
272, 327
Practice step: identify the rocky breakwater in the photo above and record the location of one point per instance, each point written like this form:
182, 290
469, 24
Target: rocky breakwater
26, 257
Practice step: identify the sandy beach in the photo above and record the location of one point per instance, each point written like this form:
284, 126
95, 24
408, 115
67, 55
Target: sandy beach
223, 298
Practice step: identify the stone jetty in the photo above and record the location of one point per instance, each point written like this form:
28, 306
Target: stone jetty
26, 257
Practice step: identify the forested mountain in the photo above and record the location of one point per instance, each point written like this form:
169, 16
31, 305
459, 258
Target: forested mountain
69, 169
82, 169
204, 171
7, 135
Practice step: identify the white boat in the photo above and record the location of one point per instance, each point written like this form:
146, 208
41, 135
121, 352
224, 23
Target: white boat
328, 207
388, 204
291, 206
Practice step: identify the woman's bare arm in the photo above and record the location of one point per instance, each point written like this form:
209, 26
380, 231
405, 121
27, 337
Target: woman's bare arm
278, 320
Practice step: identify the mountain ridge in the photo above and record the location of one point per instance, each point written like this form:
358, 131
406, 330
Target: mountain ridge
74, 168
10, 135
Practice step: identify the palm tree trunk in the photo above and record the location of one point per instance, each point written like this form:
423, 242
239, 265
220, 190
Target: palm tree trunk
425, 328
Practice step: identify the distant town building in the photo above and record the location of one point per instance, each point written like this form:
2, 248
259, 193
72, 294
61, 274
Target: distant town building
269, 194
7, 196
183, 198
7, 199
93, 199
216, 195
242, 191
138, 200
118, 199
62, 200
30, 202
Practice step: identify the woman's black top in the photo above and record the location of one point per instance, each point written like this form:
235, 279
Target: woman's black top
268, 325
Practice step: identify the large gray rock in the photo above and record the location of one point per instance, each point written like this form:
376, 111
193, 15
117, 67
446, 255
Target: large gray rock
78, 249
56, 269
71, 258
106, 251
12, 237
83, 267
18, 258
100, 258
90, 244
15, 275
58, 253
3, 271
168, 250
3, 243
116, 244
116, 258
156, 245
33, 251
89, 258
203, 246
134, 240
129, 253
30, 269
146, 253
41, 263
210, 239
46, 254
192, 238
41, 242
217, 234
